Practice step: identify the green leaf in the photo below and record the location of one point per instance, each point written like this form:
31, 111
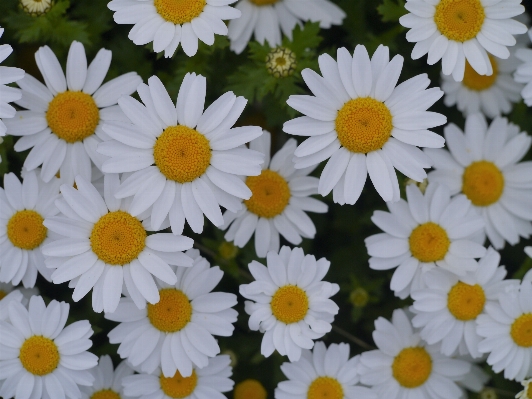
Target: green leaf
392, 10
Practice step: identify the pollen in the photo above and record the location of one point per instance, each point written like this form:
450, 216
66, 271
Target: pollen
73, 116
364, 125
281, 62
249, 389
429, 242
466, 302
289, 304
325, 388
474, 81
172, 313
118, 238
483, 183
263, 2
179, 11
105, 394
270, 194
25, 230
412, 367
182, 154
179, 387
521, 330
39, 355
459, 20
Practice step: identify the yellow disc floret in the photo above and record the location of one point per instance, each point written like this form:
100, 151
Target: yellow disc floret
39, 355
429, 242
178, 387
325, 388
521, 330
466, 302
25, 230
474, 81
249, 389
182, 154
105, 394
270, 194
263, 2
412, 367
363, 125
289, 304
118, 238
483, 183
173, 311
459, 20
73, 116
179, 11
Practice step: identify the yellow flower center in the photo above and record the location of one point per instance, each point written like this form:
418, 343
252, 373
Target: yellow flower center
521, 330
2, 294
482, 183
182, 154
73, 116
25, 230
466, 302
105, 394
412, 367
281, 62
459, 20
172, 313
178, 386
270, 194
325, 388
118, 238
429, 242
477, 82
263, 2
364, 125
39, 355
179, 11
249, 389
289, 304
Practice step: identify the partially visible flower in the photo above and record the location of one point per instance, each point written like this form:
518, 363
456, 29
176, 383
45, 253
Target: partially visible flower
475, 380
249, 389
359, 297
36, 7
523, 74
107, 381
526, 393
281, 62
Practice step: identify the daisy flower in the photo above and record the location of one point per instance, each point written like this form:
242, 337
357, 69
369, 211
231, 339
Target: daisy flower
405, 366
426, 231
36, 7
289, 301
526, 393
483, 165
167, 23
324, 373
456, 31
523, 74
62, 123
176, 333
23, 208
447, 310
266, 19
207, 382
186, 161
364, 124
281, 195
8, 293
506, 328
101, 246
41, 358
108, 381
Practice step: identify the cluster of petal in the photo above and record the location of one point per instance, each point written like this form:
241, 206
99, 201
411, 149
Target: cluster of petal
523, 74
108, 379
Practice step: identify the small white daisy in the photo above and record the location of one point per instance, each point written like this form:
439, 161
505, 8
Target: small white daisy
108, 381
364, 124
41, 358
483, 165
404, 366
323, 373
289, 301
281, 195
186, 161
526, 393
207, 382
523, 74
458, 30
177, 332
101, 246
167, 23
507, 330
266, 19
426, 231
63, 119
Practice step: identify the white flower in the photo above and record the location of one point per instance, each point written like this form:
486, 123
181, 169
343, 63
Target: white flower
24, 207
458, 30
107, 381
101, 246
266, 19
177, 332
167, 23
483, 165
426, 231
207, 382
289, 302
325, 373
526, 393
41, 358
523, 74
404, 366
9, 293
507, 330
356, 110
281, 195
186, 161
